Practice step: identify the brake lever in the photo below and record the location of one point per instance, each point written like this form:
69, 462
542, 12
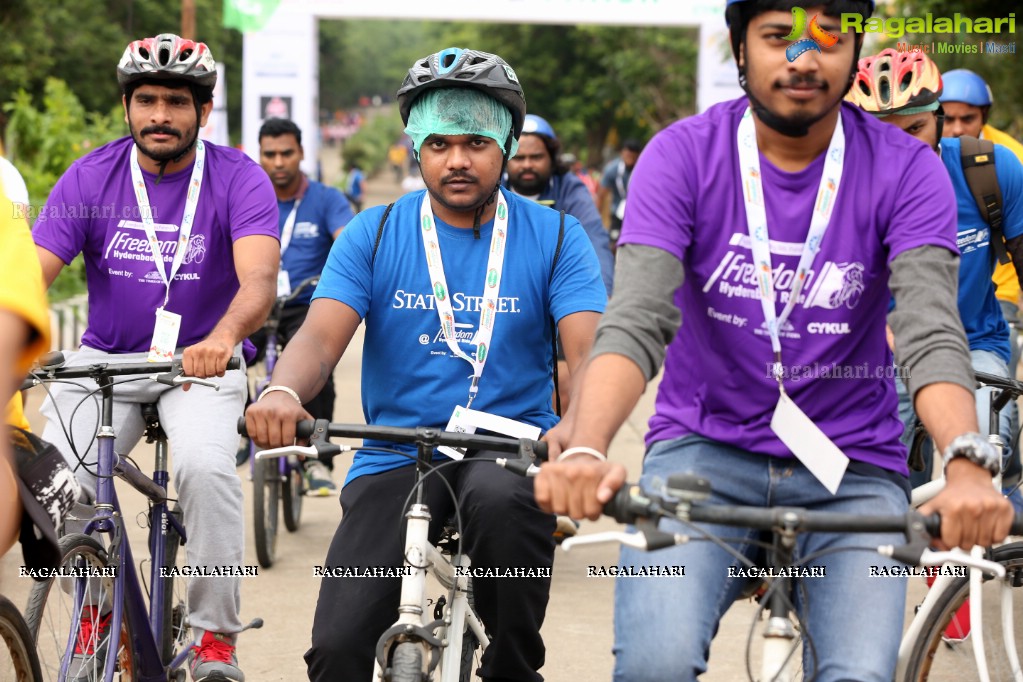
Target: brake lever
929, 557
316, 450
177, 379
646, 540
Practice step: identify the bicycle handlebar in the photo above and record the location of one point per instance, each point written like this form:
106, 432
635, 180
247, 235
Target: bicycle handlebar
1003, 383
51, 367
632, 504
321, 430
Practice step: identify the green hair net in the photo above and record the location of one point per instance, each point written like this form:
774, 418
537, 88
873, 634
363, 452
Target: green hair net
459, 111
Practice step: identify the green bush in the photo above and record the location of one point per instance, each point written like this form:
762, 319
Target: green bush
368, 147
44, 142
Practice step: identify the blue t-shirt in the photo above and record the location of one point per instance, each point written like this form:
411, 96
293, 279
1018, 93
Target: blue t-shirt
409, 375
322, 212
981, 315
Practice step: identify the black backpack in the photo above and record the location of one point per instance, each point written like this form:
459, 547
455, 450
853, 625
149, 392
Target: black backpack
978, 159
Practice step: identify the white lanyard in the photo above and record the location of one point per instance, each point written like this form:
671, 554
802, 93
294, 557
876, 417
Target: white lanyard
289, 227
187, 218
289, 223
756, 220
491, 287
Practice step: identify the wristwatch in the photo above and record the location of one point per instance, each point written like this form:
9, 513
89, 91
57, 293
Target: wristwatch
975, 448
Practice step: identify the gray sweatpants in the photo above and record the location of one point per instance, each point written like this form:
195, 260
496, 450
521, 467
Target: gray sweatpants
200, 426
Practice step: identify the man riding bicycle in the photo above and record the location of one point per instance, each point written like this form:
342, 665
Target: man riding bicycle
772, 206
311, 216
451, 281
135, 208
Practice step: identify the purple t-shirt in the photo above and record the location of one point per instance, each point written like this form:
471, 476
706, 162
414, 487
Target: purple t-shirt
93, 210
685, 197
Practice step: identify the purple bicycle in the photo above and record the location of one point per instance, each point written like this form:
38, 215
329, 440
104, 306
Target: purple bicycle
90, 620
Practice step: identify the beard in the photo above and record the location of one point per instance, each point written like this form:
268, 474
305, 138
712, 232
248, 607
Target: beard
536, 185
164, 151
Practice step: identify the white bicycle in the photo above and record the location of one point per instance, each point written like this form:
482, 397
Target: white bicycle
443, 643
784, 633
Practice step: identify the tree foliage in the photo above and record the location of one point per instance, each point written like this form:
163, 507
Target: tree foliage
596, 85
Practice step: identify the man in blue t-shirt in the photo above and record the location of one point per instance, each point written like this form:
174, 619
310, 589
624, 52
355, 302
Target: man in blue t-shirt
310, 216
614, 186
464, 111
979, 310
355, 190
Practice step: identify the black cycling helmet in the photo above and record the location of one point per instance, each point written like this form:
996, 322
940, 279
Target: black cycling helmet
167, 57
458, 68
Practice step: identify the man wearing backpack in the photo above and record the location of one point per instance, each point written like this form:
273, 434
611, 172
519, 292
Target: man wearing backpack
967, 100
451, 281
979, 245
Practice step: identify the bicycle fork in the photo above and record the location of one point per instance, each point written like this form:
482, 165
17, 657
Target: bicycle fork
779, 635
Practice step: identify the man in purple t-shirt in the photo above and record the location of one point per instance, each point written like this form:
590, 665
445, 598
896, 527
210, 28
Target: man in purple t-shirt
783, 186
175, 229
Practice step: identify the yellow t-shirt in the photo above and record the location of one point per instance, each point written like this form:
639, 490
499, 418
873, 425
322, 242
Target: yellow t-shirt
1006, 282
22, 292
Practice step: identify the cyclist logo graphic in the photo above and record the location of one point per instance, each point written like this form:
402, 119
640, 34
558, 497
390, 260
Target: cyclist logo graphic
196, 250
818, 36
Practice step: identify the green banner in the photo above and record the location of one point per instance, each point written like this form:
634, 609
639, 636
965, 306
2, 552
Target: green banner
248, 15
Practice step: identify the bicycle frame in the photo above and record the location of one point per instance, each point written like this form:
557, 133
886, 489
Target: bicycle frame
423, 558
128, 599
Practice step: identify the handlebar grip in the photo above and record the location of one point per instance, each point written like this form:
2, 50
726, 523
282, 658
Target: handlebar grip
242, 431
630, 504
540, 450
234, 363
932, 524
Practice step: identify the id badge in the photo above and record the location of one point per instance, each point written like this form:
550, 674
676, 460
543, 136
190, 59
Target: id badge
165, 336
809, 444
465, 420
283, 284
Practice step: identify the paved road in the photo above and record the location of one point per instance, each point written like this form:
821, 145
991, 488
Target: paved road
578, 626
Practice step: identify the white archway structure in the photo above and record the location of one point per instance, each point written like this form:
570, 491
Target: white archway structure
281, 63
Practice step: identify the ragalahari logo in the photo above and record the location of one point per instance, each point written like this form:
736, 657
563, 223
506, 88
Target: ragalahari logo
818, 36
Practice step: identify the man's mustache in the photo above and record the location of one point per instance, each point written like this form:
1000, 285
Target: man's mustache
160, 130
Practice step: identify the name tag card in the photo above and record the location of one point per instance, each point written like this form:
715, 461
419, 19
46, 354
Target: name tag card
165, 336
465, 420
809, 444
283, 284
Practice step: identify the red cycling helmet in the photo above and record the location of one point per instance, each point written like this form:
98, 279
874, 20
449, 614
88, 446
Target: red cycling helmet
892, 81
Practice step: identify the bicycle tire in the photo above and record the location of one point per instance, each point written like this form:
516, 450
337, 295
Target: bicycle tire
176, 631
934, 660
407, 663
291, 495
50, 614
19, 662
469, 663
266, 490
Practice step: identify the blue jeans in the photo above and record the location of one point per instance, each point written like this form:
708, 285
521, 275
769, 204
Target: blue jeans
983, 361
664, 626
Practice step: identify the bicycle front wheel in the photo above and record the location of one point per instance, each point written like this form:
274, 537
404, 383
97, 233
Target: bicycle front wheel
18, 660
266, 493
76, 610
407, 663
291, 494
944, 650
177, 633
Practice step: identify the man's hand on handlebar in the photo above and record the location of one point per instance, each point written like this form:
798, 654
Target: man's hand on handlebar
577, 487
972, 511
208, 358
271, 421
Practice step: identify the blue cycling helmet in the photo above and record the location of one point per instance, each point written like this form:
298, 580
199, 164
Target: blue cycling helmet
963, 85
535, 125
